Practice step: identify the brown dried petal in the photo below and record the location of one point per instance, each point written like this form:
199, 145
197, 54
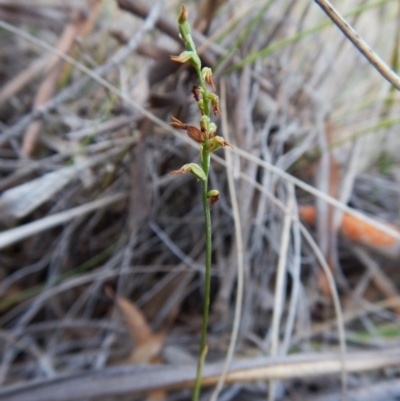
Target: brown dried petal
216, 110
210, 81
192, 168
226, 143
196, 92
178, 124
195, 134
207, 75
182, 170
183, 57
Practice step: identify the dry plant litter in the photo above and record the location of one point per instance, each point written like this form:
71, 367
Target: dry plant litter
102, 251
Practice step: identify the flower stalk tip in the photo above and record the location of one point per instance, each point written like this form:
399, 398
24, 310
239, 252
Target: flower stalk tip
183, 16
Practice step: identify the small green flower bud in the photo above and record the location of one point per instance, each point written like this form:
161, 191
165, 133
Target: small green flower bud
214, 104
204, 121
213, 195
192, 168
183, 15
200, 103
184, 30
206, 72
212, 192
212, 128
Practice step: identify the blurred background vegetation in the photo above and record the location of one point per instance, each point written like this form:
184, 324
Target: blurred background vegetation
101, 251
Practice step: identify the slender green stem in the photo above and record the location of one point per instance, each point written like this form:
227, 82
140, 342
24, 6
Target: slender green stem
207, 287
207, 220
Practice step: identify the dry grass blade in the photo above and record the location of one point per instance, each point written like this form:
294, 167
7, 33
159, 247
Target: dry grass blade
138, 380
388, 391
21, 200
280, 284
328, 199
381, 280
79, 25
77, 87
14, 235
23, 79
359, 43
239, 249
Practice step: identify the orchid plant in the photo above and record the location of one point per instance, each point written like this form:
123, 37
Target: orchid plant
204, 135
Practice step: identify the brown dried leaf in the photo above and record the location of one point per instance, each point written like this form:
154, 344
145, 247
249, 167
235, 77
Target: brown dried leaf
136, 322
148, 345
148, 351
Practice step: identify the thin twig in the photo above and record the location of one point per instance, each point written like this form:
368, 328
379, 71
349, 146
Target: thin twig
336, 304
17, 234
280, 283
359, 43
136, 380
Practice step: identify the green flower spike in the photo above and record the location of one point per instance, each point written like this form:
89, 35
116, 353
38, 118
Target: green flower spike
208, 103
184, 30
